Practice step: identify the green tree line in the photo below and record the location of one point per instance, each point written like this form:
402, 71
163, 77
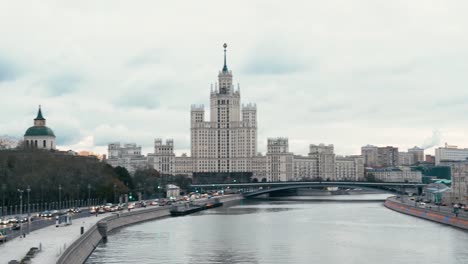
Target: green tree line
55, 175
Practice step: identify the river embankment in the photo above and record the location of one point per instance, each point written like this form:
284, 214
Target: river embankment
81, 248
426, 213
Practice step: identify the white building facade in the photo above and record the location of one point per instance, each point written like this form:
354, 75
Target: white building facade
450, 153
400, 174
128, 156
227, 142
39, 136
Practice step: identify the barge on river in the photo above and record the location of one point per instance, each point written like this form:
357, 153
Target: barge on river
190, 208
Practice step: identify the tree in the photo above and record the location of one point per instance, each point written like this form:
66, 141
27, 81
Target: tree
124, 176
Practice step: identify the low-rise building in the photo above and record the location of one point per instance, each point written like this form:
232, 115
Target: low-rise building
459, 174
396, 174
172, 191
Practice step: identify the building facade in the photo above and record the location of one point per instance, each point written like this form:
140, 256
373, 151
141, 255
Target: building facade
39, 136
418, 154
396, 174
128, 156
227, 142
380, 156
459, 190
450, 153
405, 159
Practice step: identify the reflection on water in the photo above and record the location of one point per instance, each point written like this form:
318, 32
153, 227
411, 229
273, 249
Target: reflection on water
287, 232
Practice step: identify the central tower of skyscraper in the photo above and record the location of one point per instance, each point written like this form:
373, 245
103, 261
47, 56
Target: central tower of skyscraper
228, 141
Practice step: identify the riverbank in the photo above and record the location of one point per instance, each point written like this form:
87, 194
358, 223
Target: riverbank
82, 247
428, 214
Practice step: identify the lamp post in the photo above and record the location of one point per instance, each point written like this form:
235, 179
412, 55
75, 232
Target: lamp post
21, 210
60, 196
115, 197
29, 208
3, 198
89, 192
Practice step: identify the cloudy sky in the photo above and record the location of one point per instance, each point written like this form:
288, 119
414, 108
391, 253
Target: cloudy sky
344, 72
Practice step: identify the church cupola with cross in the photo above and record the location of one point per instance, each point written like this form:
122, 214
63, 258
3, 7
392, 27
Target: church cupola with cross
39, 136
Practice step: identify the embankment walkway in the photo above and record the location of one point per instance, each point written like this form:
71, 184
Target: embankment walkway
65, 244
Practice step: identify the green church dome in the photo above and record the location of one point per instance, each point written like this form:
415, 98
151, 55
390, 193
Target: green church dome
39, 131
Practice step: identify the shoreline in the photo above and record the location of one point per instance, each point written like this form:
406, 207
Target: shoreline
79, 251
438, 217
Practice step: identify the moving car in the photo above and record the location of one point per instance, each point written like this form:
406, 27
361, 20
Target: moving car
45, 214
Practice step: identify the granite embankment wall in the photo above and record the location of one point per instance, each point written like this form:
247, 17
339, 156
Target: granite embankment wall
427, 214
79, 251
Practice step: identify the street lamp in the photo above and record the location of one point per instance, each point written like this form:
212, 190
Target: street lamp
115, 197
21, 210
89, 192
60, 196
29, 209
3, 197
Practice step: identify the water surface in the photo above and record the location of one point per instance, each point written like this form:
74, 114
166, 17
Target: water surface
287, 232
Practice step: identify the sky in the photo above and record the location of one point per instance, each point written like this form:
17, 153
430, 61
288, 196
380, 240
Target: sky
347, 73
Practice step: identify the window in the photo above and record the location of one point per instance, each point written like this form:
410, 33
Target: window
44, 144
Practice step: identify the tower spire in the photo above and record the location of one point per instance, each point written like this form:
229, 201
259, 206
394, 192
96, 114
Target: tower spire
39, 114
225, 69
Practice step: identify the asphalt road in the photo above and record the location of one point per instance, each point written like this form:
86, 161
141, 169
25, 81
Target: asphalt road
448, 210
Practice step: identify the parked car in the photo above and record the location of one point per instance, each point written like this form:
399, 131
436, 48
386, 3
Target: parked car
101, 210
154, 202
142, 204
13, 220
92, 210
131, 206
16, 227
3, 236
4, 221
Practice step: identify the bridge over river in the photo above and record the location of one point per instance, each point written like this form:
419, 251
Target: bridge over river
259, 188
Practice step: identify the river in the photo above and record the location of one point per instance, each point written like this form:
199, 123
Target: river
287, 232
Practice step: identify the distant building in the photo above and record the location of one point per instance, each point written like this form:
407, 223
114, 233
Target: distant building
418, 154
380, 156
430, 158
405, 158
387, 156
39, 136
128, 156
450, 153
370, 154
396, 174
349, 168
459, 173
279, 160
172, 191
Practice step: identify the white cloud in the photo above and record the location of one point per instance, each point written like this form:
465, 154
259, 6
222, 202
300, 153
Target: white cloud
341, 72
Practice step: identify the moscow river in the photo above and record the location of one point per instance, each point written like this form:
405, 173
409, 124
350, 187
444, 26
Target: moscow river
287, 232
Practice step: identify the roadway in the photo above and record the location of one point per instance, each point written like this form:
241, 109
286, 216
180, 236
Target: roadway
446, 210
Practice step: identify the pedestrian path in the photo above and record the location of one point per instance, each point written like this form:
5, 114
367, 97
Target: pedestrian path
52, 240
